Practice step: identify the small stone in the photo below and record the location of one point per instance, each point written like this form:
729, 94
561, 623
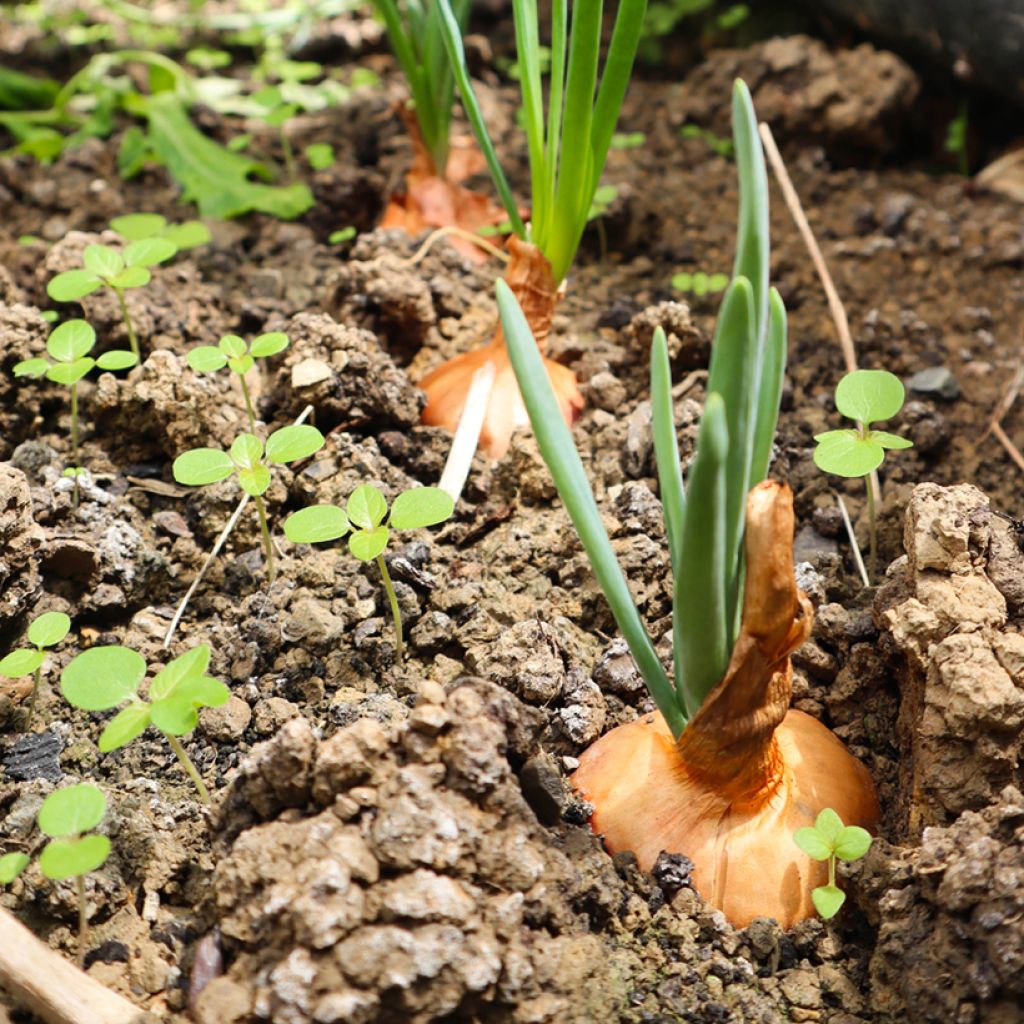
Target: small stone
606, 391
173, 523
271, 714
935, 380
228, 722
309, 372
312, 621
36, 756
428, 718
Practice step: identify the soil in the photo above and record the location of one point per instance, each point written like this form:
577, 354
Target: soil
398, 842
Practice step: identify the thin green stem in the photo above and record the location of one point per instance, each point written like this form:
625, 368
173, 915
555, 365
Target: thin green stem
248, 404
872, 531
832, 871
395, 612
132, 340
37, 679
83, 920
74, 441
268, 544
186, 763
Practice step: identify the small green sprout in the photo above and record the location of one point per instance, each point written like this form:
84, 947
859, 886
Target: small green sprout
232, 351
718, 144
866, 396
320, 155
69, 345
103, 266
248, 459
137, 227
342, 235
12, 865
46, 630
699, 283
829, 839
66, 816
628, 140
363, 520
104, 677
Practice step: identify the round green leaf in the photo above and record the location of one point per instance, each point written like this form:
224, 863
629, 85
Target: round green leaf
73, 284
366, 507
204, 692
366, 545
422, 506
846, 453
103, 261
853, 843
148, 252
202, 466
828, 899
31, 368
62, 858
269, 344
812, 843
102, 677
254, 481
71, 340
887, 440
72, 810
12, 865
829, 826
291, 443
131, 277
246, 451
188, 235
316, 524
136, 226
175, 715
22, 662
70, 373
117, 359
320, 155
233, 346
192, 664
869, 395
124, 727
49, 629
242, 365
206, 359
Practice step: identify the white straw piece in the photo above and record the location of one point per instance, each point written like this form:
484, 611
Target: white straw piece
467, 434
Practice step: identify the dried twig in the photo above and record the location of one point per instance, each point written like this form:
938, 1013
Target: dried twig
857, 556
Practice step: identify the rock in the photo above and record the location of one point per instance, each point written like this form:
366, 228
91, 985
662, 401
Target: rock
935, 380
228, 722
525, 658
35, 756
271, 714
616, 672
312, 623
20, 542
688, 346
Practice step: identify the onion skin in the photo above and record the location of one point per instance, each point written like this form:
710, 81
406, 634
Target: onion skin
746, 772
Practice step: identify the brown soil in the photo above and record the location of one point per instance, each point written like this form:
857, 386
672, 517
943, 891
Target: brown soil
398, 843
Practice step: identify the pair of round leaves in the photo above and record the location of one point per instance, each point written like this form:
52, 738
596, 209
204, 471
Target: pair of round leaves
247, 458
47, 630
233, 352
363, 519
134, 227
69, 345
65, 815
104, 677
828, 837
866, 396
104, 265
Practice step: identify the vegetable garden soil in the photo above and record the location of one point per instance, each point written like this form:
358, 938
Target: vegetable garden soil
399, 842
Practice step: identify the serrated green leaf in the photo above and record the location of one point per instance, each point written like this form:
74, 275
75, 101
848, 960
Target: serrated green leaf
246, 451
887, 440
148, 252
202, 466
12, 865
422, 506
22, 662
812, 843
869, 395
846, 453
63, 858
255, 481
853, 843
103, 261
232, 346
136, 226
117, 359
366, 507
269, 344
71, 340
316, 525
829, 826
102, 677
124, 727
31, 368
206, 359
72, 810
191, 664
70, 373
828, 900
73, 284
292, 443
366, 545
49, 629
131, 277
189, 235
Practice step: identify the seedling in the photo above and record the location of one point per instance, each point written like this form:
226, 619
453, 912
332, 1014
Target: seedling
233, 352
866, 396
105, 677
699, 283
105, 267
68, 816
830, 840
248, 459
137, 227
69, 345
12, 865
363, 520
46, 630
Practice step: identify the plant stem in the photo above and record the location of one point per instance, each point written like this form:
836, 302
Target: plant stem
132, 340
832, 871
37, 679
248, 404
83, 923
290, 171
872, 531
268, 544
395, 613
186, 763
74, 441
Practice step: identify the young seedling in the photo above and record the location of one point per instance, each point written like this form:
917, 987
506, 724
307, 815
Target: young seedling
12, 865
105, 677
69, 345
233, 352
106, 267
828, 839
46, 630
68, 816
866, 396
699, 283
248, 459
363, 520
137, 227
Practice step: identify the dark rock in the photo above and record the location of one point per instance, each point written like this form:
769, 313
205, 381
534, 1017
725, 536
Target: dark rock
36, 756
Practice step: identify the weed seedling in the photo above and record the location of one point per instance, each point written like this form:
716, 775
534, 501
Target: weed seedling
699, 283
137, 227
232, 351
105, 677
12, 865
69, 345
46, 630
363, 520
829, 839
103, 266
249, 459
68, 817
866, 396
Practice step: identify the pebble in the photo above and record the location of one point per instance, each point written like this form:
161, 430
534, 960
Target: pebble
271, 714
935, 380
228, 722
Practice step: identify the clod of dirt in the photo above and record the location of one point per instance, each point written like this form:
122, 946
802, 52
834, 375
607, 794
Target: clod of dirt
20, 541
963, 705
688, 346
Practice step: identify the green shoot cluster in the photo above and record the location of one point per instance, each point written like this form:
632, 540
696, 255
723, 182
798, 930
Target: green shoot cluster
68, 817
137, 227
829, 839
46, 630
